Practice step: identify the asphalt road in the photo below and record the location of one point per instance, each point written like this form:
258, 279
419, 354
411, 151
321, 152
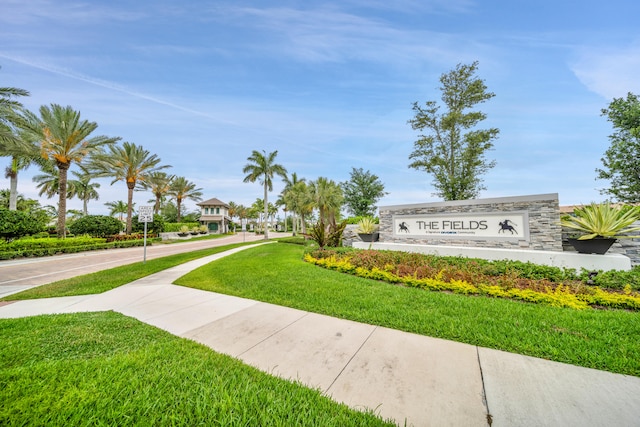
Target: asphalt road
21, 274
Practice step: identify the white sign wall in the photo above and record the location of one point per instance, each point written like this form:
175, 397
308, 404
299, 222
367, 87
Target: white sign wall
481, 226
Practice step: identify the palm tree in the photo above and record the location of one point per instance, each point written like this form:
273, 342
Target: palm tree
159, 183
130, 163
300, 202
49, 181
262, 167
9, 108
117, 208
85, 189
182, 189
65, 139
233, 210
328, 198
285, 198
12, 142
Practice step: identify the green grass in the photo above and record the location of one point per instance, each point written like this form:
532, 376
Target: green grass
102, 281
600, 339
108, 369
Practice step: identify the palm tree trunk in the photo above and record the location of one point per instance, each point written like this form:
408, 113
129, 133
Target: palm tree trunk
178, 203
130, 187
266, 211
62, 200
12, 173
85, 201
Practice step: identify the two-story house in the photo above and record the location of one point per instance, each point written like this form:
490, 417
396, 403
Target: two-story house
215, 215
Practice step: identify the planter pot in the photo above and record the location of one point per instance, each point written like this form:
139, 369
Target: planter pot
183, 234
372, 237
599, 245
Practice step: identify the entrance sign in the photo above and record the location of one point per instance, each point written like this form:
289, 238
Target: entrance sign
479, 226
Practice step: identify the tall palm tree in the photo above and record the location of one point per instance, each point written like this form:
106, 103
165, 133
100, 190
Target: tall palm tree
128, 162
286, 197
9, 108
233, 210
49, 181
328, 198
118, 208
159, 183
300, 201
65, 139
85, 189
262, 168
12, 143
182, 189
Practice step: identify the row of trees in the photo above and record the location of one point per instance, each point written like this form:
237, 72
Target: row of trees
57, 139
301, 197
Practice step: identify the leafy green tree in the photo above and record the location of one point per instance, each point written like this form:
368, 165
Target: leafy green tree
455, 159
182, 189
96, 226
262, 167
30, 206
362, 192
621, 161
130, 163
15, 224
63, 138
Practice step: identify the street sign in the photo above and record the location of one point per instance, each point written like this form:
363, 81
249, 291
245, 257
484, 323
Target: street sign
145, 214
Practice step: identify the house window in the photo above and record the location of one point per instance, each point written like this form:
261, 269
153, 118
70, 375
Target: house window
206, 211
217, 210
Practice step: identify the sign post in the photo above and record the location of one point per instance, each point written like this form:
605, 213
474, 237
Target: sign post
145, 214
244, 229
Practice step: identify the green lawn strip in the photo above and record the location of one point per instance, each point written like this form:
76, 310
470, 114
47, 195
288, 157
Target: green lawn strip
102, 281
109, 369
600, 339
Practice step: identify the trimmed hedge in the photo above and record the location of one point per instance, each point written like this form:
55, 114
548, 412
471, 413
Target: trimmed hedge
53, 246
174, 227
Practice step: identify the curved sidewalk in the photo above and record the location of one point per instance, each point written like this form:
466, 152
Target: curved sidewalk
421, 380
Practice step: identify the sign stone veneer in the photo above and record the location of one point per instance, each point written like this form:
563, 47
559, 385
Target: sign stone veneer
542, 212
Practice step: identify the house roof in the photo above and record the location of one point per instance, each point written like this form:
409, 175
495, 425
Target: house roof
213, 202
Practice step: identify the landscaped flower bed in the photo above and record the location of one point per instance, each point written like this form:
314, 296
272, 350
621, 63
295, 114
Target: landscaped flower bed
502, 279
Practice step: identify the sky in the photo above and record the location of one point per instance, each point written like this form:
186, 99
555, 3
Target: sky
328, 84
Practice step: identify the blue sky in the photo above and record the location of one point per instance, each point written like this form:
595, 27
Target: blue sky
329, 84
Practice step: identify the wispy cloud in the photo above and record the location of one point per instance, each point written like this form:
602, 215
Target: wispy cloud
318, 35
609, 71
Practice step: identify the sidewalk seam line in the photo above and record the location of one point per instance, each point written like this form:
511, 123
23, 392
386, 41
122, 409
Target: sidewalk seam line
484, 390
375, 328
273, 334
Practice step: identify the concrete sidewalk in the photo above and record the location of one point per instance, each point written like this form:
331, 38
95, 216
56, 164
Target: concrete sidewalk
421, 380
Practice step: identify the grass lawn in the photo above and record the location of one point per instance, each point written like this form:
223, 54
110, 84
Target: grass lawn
102, 281
109, 369
600, 339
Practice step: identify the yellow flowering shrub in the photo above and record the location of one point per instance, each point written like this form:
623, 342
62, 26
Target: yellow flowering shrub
559, 296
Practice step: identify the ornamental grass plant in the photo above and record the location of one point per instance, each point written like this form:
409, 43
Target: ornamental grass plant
602, 220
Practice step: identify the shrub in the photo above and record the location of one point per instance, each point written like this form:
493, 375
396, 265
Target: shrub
155, 227
17, 224
96, 226
174, 227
